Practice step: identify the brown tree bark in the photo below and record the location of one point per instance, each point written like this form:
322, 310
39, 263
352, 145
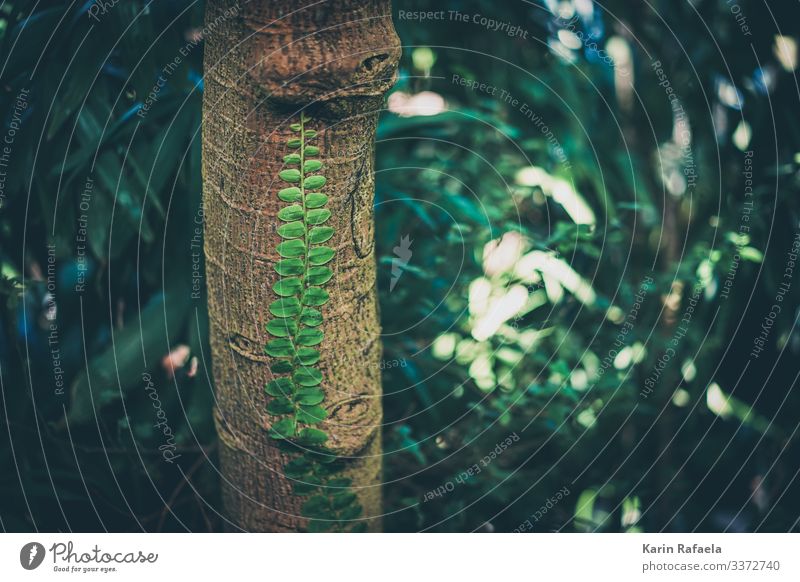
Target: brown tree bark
265, 61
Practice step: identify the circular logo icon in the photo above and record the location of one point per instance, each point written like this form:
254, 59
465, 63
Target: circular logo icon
31, 555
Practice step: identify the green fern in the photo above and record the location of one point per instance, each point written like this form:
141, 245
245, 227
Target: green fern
297, 395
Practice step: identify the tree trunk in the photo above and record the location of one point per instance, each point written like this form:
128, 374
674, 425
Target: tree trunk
265, 62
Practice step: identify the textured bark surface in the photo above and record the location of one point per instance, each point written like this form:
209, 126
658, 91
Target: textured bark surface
265, 61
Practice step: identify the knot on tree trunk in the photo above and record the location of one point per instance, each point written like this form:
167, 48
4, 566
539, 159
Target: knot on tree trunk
327, 52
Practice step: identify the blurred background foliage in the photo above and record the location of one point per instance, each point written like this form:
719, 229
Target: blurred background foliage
510, 259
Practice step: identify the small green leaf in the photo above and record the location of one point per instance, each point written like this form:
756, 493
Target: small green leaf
312, 182
288, 267
295, 127
319, 526
311, 150
280, 405
310, 133
292, 249
312, 166
288, 307
293, 194
318, 216
281, 367
290, 213
311, 317
324, 457
309, 396
296, 468
328, 469
316, 505
293, 143
280, 387
309, 336
320, 255
343, 499
290, 175
315, 296
291, 159
319, 234
292, 230
307, 376
283, 429
340, 482
311, 414
309, 485
307, 356
312, 436
351, 512
288, 286
282, 327
316, 200
319, 275
279, 348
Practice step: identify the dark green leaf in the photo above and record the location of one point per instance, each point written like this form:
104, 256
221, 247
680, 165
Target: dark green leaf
283, 429
312, 436
312, 182
319, 526
309, 396
311, 150
305, 488
292, 230
310, 133
315, 506
318, 215
311, 317
290, 213
315, 296
328, 469
309, 336
288, 286
307, 376
279, 348
316, 200
292, 159
288, 307
343, 499
307, 356
311, 414
292, 249
293, 143
281, 367
319, 275
295, 127
100, 383
280, 387
290, 175
320, 234
320, 255
293, 194
280, 405
282, 327
351, 512
312, 166
288, 267
324, 457
296, 468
